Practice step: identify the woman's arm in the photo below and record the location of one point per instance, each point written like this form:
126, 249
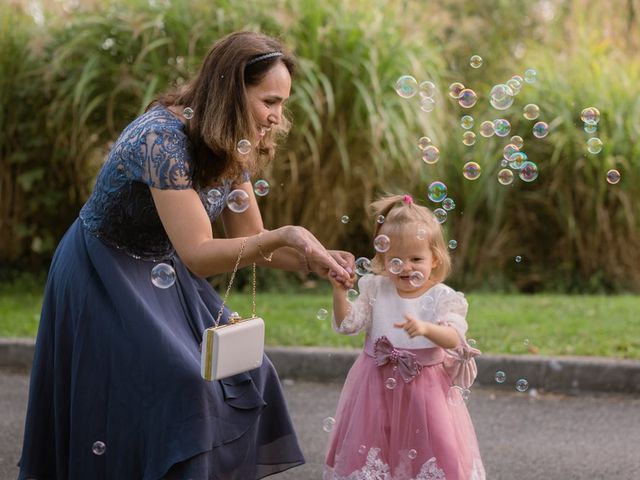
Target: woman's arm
189, 229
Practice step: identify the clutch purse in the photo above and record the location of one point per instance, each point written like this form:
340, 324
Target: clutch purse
236, 346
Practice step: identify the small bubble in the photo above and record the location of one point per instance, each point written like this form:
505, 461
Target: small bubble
486, 129
395, 266
244, 146
427, 89
163, 275
540, 130
517, 141
352, 295
381, 243
501, 127
430, 155
98, 448
440, 214
467, 98
188, 113
448, 204
362, 449
214, 195
390, 383
328, 424
505, 176
363, 266
594, 145
344, 219
454, 89
423, 142
530, 75
453, 244
238, 201
412, 454
416, 279
528, 171
261, 188
468, 138
500, 376
406, 86
421, 234
522, 385
437, 191
518, 259
322, 314
466, 122
531, 111
471, 171
427, 104
455, 396
475, 61
380, 219
613, 176
590, 115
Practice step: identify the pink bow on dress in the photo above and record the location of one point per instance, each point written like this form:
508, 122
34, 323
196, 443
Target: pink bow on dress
384, 352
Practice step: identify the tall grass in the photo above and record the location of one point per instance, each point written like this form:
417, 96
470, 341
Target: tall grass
85, 74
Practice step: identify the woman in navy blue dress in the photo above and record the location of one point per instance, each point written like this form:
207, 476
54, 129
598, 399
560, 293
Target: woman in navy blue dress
116, 391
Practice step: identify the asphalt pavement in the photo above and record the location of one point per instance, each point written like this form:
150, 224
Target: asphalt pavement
522, 435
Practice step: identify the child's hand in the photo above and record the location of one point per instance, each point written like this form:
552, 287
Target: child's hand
413, 326
340, 284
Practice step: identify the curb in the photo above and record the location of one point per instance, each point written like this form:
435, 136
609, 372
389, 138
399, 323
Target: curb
550, 374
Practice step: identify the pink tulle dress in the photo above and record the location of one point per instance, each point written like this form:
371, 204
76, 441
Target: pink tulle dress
400, 417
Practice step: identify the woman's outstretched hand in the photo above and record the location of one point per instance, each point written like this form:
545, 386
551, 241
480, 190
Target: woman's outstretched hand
321, 261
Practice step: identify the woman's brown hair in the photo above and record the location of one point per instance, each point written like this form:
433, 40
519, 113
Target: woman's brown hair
218, 96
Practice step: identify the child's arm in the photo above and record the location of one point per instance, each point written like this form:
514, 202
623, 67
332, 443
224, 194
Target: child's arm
341, 305
442, 335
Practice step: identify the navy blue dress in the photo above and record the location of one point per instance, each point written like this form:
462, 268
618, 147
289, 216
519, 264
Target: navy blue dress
116, 391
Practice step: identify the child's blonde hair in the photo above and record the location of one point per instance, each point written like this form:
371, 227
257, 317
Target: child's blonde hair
401, 213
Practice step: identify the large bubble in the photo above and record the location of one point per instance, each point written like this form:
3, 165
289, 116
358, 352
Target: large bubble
528, 171
501, 96
437, 191
467, 98
406, 86
238, 201
163, 275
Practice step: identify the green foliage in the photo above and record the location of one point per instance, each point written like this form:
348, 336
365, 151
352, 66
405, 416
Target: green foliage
69, 87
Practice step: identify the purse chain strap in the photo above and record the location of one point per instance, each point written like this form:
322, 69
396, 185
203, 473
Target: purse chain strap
233, 276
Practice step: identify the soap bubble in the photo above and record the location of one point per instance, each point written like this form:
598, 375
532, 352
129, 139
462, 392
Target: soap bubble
530, 75
590, 115
501, 96
261, 188
613, 176
412, 454
486, 129
345, 219
427, 104
406, 86
594, 145
517, 159
466, 122
238, 201
468, 138
522, 385
440, 214
430, 154
455, 396
540, 130
322, 314
352, 295
453, 244
424, 142
448, 204
437, 191
531, 111
244, 146
505, 176
467, 98
390, 383
416, 279
328, 424
395, 266
518, 259
188, 113
517, 141
381, 243
362, 449
98, 448
501, 127
500, 376
515, 84
590, 128
163, 275
363, 266
509, 150
214, 195
454, 89
528, 171
475, 61
427, 89
471, 171
380, 219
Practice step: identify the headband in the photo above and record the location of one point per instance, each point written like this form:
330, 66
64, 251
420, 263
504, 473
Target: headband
264, 56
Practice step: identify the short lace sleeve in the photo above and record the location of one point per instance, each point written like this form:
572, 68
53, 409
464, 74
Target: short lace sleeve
359, 317
164, 158
451, 309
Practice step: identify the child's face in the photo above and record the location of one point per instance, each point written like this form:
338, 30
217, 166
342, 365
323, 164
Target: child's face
412, 277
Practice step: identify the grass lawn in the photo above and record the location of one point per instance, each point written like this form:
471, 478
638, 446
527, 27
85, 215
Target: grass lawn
500, 323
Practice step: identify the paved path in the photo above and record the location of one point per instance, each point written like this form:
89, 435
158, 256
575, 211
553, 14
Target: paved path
522, 436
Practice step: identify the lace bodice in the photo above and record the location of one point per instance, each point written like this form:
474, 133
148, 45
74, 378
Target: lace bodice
378, 306
152, 151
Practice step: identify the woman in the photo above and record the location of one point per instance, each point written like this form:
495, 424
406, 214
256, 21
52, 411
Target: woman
115, 390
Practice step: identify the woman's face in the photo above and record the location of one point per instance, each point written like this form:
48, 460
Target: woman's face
267, 98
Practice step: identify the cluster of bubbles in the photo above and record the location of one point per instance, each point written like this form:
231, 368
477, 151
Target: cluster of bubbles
437, 193
522, 384
163, 275
407, 86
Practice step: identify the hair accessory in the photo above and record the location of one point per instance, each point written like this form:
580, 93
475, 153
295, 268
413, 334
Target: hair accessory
264, 56
408, 199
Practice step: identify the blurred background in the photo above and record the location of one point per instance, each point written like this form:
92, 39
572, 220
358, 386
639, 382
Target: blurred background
73, 74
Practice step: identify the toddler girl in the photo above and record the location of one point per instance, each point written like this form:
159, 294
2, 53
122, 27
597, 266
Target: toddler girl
401, 414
